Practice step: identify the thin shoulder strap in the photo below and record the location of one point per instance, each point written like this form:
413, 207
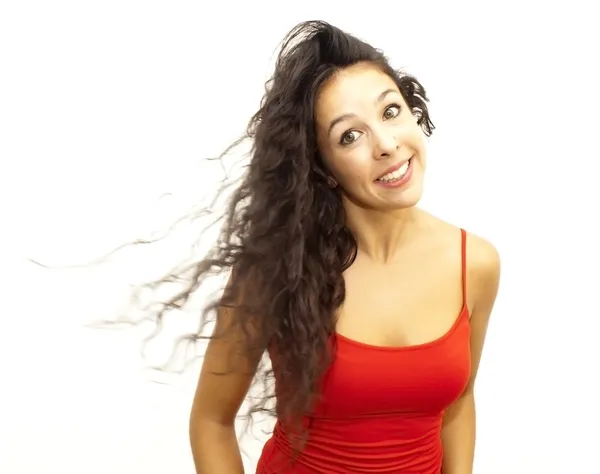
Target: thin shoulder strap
463, 248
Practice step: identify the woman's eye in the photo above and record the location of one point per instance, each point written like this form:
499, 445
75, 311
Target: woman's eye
349, 137
391, 112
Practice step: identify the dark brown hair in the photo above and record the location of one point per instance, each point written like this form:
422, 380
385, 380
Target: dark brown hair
284, 232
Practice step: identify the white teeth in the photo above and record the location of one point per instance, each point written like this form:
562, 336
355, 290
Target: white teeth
396, 174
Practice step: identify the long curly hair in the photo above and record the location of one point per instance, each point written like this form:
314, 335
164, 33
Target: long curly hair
284, 236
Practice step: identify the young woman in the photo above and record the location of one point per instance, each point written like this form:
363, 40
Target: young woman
373, 312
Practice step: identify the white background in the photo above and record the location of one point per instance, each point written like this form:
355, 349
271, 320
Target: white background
105, 106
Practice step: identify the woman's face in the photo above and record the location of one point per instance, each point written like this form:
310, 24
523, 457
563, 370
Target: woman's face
370, 140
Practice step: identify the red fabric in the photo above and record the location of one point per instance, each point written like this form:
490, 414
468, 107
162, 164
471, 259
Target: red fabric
382, 407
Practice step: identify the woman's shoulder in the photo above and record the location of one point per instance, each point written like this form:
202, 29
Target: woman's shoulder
482, 259
482, 256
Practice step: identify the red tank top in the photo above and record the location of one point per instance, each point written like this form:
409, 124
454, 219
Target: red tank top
382, 407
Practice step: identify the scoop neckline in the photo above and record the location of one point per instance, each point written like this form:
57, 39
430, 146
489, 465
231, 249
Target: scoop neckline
463, 313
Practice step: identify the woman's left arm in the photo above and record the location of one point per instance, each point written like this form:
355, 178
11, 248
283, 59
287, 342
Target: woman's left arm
458, 429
